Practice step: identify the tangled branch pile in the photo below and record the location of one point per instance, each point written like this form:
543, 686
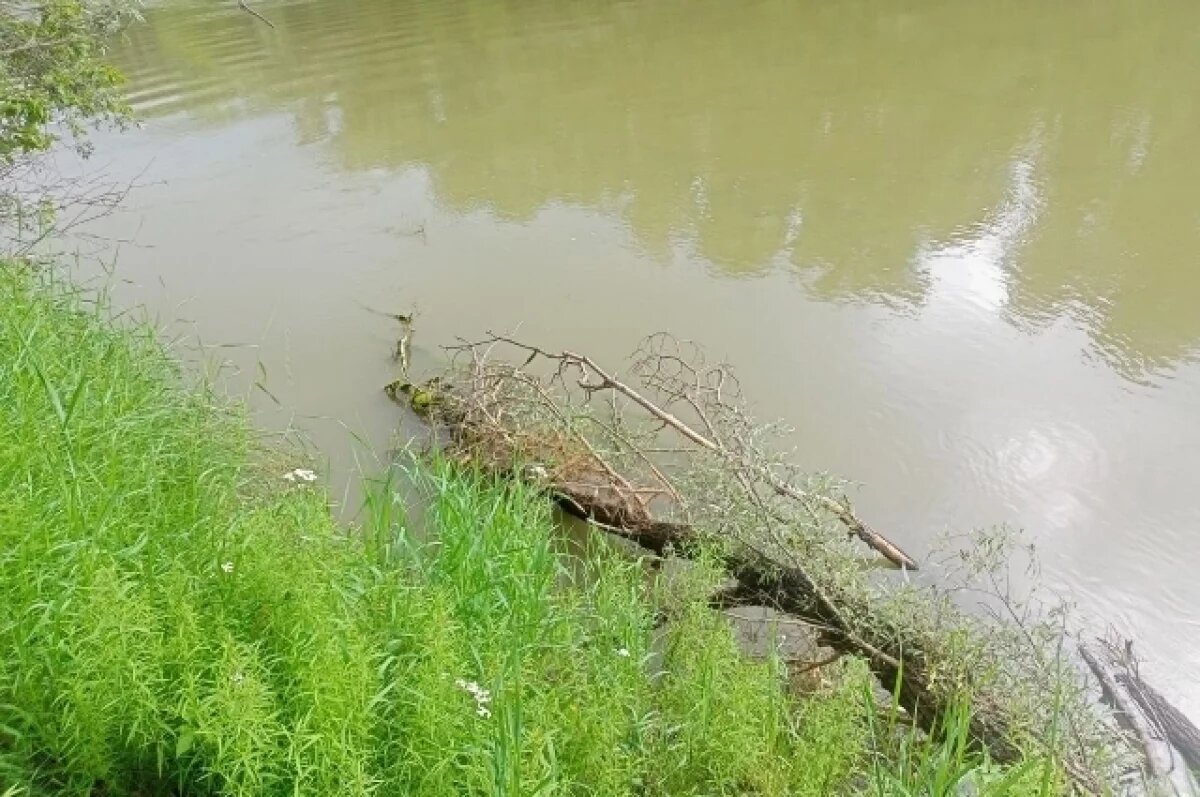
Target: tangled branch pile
669, 457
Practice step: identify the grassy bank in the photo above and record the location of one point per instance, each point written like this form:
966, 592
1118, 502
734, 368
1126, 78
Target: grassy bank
177, 617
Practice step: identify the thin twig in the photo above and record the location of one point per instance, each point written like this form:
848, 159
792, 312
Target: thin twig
242, 5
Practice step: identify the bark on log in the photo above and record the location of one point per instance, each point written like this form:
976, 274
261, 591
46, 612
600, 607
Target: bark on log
1123, 687
591, 504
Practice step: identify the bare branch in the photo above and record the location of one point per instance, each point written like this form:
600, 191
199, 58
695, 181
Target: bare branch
594, 379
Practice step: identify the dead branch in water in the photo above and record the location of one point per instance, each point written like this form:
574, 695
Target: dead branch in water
668, 458
661, 370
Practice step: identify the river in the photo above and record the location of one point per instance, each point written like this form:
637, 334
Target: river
953, 244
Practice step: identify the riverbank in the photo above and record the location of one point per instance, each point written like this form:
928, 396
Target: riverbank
180, 614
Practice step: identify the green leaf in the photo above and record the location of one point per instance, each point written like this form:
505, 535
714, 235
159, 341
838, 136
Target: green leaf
183, 745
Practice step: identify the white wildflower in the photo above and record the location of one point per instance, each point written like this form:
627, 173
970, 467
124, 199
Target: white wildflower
481, 695
301, 475
227, 567
623, 653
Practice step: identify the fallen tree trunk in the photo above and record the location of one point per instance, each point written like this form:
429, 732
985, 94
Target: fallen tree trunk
510, 423
1169, 740
593, 379
791, 591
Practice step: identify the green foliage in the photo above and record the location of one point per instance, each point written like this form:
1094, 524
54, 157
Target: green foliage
52, 73
174, 620
909, 763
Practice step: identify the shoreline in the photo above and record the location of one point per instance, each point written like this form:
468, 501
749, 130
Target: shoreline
185, 535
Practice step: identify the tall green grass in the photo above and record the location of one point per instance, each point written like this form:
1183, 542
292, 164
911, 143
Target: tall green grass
908, 763
176, 618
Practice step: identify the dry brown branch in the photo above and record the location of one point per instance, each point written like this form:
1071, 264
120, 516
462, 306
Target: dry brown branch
741, 465
644, 456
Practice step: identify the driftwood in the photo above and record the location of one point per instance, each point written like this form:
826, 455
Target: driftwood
1169, 740
609, 477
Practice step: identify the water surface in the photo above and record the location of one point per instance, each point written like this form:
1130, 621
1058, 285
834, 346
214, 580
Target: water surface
954, 244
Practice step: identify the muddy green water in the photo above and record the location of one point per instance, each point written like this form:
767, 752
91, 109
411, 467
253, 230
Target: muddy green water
954, 244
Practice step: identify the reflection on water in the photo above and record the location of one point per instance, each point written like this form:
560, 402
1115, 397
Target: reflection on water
846, 137
971, 231
970, 272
